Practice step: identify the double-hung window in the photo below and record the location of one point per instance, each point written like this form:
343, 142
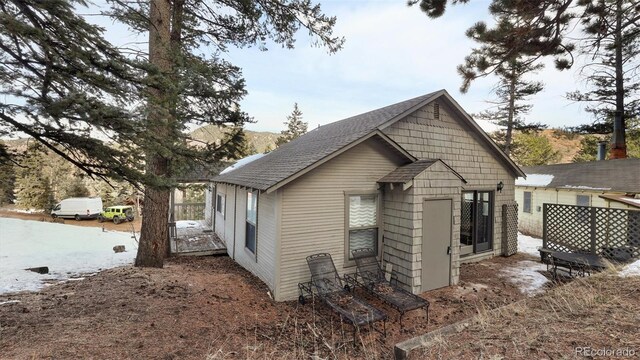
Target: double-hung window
252, 221
362, 221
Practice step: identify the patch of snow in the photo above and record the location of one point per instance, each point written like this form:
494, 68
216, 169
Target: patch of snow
68, 251
184, 224
526, 275
242, 162
581, 187
632, 269
535, 180
529, 245
9, 302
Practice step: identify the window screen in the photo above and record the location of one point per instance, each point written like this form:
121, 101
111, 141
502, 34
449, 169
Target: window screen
526, 207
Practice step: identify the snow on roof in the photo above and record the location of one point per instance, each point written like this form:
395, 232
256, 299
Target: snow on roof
535, 180
581, 187
242, 162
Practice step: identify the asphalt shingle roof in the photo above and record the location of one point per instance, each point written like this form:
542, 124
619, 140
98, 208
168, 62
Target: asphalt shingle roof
313, 146
407, 172
617, 175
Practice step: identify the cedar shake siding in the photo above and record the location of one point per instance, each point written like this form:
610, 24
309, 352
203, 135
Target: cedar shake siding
451, 140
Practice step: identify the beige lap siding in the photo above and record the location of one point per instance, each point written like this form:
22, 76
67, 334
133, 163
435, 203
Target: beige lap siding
450, 139
262, 263
313, 210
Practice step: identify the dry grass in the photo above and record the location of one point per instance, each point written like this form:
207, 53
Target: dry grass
600, 312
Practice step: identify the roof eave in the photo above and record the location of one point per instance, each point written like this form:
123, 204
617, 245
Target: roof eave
351, 145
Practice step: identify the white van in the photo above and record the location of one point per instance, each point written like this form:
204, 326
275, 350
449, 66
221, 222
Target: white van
78, 208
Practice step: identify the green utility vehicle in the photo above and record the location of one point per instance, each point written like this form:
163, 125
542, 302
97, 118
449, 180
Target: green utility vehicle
117, 213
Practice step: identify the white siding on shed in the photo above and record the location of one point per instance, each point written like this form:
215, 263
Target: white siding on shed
531, 223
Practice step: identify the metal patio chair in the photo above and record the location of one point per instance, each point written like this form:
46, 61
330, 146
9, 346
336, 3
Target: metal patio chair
370, 276
327, 286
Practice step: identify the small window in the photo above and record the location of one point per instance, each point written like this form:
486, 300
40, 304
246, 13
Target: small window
526, 206
252, 220
583, 214
363, 223
436, 111
220, 204
583, 200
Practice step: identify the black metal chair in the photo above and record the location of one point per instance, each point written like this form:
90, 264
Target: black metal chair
328, 287
370, 276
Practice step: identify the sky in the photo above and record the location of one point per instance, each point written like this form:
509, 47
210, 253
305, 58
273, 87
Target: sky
392, 53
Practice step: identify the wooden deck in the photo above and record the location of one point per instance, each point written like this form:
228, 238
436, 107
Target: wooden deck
196, 239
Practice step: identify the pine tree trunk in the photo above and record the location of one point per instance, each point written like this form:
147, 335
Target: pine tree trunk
618, 143
154, 234
512, 101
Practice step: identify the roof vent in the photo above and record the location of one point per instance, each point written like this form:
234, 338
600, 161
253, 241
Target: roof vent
436, 111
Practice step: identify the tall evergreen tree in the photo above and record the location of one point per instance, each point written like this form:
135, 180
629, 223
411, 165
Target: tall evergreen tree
295, 127
531, 149
180, 75
7, 178
510, 57
612, 41
73, 186
32, 187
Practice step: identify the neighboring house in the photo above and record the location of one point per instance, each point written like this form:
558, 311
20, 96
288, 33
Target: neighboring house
416, 180
605, 183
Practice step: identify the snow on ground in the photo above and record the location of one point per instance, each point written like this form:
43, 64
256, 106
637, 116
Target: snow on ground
632, 269
242, 162
186, 224
526, 275
67, 250
529, 245
535, 180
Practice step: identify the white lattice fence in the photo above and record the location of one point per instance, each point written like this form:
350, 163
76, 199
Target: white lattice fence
509, 229
613, 233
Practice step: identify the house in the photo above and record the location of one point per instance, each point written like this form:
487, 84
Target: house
605, 183
417, 180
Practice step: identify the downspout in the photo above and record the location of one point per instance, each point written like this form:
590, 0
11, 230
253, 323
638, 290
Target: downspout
235, 204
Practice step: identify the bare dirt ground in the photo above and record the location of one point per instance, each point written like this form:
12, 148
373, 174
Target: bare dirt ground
108, 225
211, 308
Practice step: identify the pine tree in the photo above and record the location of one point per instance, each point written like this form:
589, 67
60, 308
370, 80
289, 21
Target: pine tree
612, 41
179, 79
588, 148
32, 187
504, 54
7, 178
73, 186
531, 149
295, 127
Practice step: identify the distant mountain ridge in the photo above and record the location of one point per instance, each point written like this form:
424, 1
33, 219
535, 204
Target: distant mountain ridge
261, 140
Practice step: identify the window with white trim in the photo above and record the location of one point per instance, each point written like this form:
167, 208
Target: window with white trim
362, 219
252, 221
526, 206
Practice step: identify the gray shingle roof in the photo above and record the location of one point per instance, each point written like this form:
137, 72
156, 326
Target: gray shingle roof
617, 175
407, 172
314, 146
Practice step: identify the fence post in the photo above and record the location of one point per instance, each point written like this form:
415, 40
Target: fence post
594, 232
545, 209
